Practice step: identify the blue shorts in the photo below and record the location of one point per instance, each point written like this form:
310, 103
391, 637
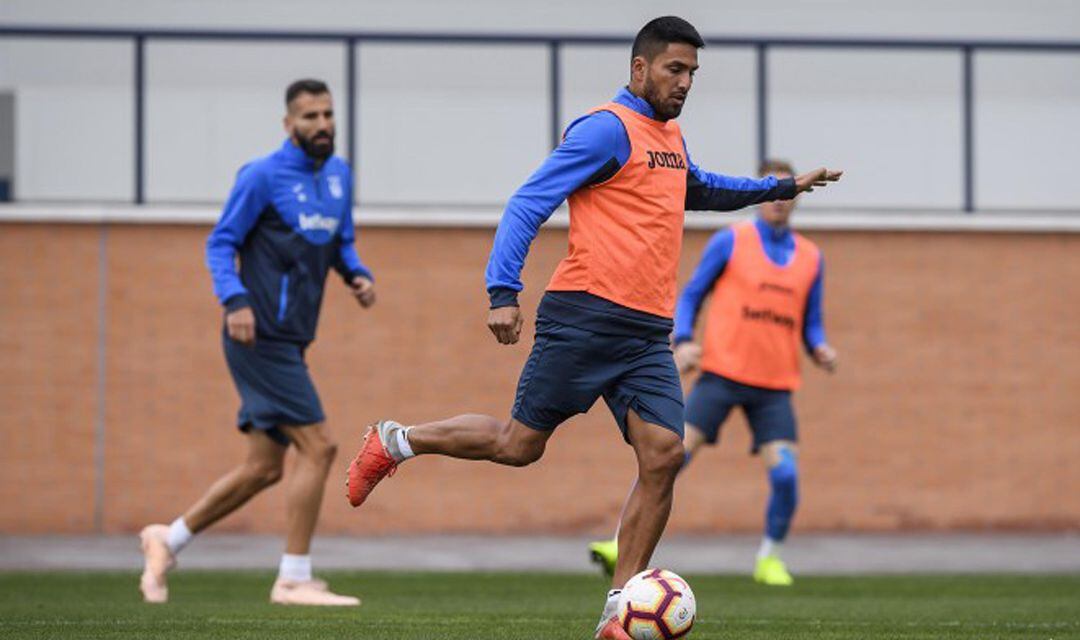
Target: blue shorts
569, 368
274, 385
768, 411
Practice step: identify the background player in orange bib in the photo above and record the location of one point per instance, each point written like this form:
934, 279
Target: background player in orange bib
603, 327
767, 288
767, 285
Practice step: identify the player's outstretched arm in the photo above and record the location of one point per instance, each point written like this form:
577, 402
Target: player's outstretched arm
820, 177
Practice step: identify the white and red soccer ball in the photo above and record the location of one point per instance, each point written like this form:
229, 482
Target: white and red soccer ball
657, 604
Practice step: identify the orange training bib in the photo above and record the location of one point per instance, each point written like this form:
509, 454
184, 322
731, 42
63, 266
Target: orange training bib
755, 319
626, 233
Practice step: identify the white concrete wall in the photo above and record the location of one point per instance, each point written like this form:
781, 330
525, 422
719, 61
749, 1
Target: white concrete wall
463, 125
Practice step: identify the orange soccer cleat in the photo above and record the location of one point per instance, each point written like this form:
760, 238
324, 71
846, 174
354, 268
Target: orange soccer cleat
612, 630
371, 464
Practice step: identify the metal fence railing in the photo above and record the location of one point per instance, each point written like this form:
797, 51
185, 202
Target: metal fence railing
349, 41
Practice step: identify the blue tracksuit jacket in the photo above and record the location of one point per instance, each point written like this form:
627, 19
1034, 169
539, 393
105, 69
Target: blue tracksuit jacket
289, 222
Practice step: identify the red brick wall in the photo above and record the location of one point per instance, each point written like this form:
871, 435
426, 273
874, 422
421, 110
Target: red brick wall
957, 404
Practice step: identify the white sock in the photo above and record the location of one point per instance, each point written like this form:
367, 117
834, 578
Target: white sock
769, 547
611, 608
179, 535
295, 568
403, 443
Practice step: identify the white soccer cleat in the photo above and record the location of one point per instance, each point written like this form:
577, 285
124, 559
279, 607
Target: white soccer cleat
157, 561
310, 593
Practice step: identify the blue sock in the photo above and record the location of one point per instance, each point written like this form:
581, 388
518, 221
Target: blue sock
784, 480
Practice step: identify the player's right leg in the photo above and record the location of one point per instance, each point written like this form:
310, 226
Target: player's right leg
262, 467
558, 381
469, 437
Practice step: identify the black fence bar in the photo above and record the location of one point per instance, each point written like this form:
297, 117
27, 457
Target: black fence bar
350, 106
541, 39
969, 129
762, 103
555, 68
139, 74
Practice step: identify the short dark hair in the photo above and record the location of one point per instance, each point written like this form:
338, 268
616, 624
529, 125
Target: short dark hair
655, 36
305, 85
772, 166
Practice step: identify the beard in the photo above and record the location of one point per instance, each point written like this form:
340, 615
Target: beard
664, 110
319, 146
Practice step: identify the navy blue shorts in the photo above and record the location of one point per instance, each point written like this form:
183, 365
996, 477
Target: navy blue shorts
569, 368
274, 385
768, 411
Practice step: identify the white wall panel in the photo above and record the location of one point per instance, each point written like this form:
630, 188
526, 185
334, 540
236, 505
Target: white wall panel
459, 125
211, 107
73, 108
1027, 119
891, 120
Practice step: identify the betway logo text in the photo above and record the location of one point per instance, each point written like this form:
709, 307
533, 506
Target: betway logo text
318, 222
768, 315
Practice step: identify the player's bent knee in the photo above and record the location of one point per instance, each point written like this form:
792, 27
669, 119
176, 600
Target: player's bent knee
785, 474
326, 451
520, 455
664, 459
517, 453
265, 475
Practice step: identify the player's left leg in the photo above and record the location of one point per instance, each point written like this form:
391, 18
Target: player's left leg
659, 453
772, 420
781, 459
315, 453
708, 406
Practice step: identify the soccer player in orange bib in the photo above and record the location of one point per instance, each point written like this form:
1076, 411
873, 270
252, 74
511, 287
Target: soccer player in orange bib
603, 327
766, 283
767, 288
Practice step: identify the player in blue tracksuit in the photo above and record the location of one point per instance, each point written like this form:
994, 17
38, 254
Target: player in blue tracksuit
288, 220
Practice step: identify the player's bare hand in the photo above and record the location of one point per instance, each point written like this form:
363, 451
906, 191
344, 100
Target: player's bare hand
816, 178
825, 357
363, 290
240, 325
505, 323
687, 356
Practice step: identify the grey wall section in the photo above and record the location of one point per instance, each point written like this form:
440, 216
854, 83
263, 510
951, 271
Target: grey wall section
464, 125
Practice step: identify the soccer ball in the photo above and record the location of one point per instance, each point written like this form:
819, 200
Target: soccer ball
656, 604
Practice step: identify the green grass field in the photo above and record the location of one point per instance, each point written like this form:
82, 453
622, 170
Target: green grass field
535, 606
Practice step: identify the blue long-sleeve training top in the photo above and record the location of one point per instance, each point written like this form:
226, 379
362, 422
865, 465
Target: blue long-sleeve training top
594, 148
779, 247
289, 222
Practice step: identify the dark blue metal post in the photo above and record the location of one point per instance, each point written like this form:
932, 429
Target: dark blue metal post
969, 129
140, 113
555, 69
350, 104
762, 103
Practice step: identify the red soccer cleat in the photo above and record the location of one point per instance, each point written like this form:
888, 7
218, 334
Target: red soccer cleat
372, 464
612, 630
